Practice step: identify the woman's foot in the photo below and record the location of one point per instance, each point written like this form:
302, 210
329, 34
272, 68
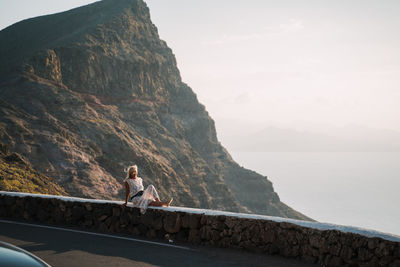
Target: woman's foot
169, 202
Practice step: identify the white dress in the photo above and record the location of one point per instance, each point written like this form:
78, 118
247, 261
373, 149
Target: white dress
149, 195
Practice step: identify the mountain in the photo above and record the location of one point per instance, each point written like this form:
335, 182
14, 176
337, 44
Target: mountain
90, 91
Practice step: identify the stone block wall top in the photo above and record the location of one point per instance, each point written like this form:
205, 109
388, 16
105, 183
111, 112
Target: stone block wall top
284, 222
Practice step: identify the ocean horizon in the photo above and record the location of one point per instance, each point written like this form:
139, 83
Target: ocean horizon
347, 188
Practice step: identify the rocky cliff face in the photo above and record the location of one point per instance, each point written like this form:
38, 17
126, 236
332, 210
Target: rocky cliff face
87, 92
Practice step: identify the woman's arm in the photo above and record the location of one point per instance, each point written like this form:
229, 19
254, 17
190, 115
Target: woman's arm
126, 193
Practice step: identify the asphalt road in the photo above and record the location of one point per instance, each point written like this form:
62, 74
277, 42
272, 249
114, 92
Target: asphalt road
73, 247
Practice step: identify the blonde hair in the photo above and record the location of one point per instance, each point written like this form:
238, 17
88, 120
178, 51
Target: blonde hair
130, 169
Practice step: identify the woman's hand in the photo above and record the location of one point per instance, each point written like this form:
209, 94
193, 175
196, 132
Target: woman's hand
124, 205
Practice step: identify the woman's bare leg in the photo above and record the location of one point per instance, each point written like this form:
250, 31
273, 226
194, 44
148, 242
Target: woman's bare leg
169, 202
158, 203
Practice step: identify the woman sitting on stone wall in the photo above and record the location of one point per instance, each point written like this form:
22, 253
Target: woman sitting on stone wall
134, 191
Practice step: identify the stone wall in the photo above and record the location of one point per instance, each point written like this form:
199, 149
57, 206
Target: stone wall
328, 247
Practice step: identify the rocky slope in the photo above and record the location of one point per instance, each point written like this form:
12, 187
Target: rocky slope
87, 92
17, 175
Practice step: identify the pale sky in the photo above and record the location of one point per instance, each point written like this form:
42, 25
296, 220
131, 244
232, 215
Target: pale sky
294, 64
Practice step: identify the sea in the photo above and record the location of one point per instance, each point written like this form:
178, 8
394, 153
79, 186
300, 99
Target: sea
348, 188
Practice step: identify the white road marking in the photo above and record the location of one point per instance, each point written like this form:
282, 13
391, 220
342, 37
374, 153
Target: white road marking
96, 234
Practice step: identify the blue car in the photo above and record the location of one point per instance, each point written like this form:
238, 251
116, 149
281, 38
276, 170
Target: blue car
12, 256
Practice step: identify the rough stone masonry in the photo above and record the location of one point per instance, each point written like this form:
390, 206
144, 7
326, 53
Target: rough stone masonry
327, 248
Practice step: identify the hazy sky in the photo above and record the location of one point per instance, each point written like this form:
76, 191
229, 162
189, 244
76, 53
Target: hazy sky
289, 63
295, 64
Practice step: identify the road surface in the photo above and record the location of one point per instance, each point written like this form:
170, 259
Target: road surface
74, 247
